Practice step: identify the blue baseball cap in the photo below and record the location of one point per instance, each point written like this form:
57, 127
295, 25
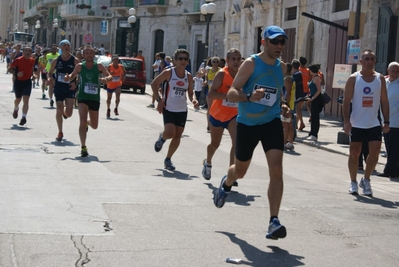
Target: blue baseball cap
272, 32
65, 41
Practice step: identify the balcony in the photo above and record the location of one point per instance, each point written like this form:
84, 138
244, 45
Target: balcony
154, 6
52, 3
122, 6
72, 12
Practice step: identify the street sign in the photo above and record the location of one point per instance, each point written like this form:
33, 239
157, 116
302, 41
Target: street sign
353, 52
88, 38
63, 33
341, 74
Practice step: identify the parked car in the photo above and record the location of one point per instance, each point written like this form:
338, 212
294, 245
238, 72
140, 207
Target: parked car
105, 61
135, 77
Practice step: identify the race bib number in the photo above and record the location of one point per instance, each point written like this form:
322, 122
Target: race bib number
61, 78
367, 102
229, 104
179, 92
269, 97
91, 88
116, 78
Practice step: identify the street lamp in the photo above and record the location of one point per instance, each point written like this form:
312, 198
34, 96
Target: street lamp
55, 27
131, 20
208, 10
26, 26
37, 27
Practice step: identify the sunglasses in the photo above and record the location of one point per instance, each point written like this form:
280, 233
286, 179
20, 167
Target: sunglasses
277, 41
215, 62
183, 58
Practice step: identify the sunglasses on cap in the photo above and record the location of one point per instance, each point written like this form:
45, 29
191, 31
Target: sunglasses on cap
276, 41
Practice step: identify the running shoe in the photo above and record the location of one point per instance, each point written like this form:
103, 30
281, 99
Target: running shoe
37, 84
33, 85
64, 116
51, 102
23, 121
219, 196
84, 152
59, 137
108, 113
151, 106
289, 146
353, 189
206, 170
159, 143
276, 230
366, 186
43, 96
169, 165
15, 114
116, 111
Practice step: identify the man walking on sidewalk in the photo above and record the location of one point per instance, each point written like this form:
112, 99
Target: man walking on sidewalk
366, 90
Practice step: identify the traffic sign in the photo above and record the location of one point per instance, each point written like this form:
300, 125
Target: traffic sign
341, 74
88, 38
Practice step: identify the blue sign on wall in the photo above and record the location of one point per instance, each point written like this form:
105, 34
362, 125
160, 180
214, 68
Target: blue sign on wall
104, 27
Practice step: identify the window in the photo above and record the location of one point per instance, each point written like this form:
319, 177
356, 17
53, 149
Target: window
290, 13
341, 5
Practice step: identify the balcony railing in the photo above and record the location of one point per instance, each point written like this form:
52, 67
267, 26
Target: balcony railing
153, 2
123, 3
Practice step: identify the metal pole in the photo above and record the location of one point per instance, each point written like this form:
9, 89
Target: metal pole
357, 28
208, 20
131, 44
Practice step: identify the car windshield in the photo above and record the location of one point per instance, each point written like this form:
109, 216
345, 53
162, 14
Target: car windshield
131, 64
103, 60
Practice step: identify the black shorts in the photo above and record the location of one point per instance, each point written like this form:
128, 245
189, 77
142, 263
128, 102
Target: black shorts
44, 76
370, 134
22, 88
93, 105
270, 134
62, 94
176, 118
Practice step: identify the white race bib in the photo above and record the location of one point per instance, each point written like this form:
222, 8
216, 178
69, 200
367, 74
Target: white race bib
269, 97
116, 78
61, 78
229, 104
179, 92
91, 88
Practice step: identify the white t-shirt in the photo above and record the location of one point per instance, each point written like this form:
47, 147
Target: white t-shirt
366, 102
393, 97
198, 84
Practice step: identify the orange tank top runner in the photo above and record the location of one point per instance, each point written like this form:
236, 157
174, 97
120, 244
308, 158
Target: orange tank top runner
222, 109
116, 77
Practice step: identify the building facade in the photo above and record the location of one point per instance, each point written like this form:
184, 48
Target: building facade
166, 25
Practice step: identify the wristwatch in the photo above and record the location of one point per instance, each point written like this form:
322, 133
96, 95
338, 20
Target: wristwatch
386, 122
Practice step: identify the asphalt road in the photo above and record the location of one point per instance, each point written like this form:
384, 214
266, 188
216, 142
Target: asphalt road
120, 207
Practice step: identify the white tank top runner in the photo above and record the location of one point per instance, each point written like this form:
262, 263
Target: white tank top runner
366, 102
176, 93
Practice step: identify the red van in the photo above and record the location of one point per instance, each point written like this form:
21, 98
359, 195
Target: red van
135, 74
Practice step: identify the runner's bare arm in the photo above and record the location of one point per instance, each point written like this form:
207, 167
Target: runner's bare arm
216, 83
235, 93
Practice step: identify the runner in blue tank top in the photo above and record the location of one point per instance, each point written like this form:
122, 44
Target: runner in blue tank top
257, 89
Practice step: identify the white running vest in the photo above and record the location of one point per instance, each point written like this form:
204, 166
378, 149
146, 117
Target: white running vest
366, 102
176, 93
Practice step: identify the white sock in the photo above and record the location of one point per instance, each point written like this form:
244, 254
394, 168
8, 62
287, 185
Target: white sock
16, 108
23, 115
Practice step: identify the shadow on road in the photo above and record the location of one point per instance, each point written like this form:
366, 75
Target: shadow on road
256, 257
87, 159
62, 143
18, 128
235, 197
377, 201
175, 174
114, 119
